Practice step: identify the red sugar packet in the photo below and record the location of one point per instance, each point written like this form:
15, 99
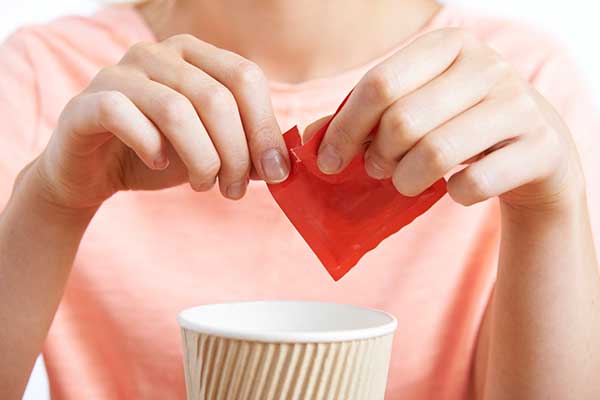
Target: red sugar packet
343, 216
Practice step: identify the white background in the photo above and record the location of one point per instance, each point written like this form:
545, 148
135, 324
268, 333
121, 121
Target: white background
574, 22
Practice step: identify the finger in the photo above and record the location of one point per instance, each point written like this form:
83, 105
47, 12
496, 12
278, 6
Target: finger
218, 112
250, 88
175, 116
502, 171
404, 72
413, 116
475, 131
314, 127
254, 175
112, 112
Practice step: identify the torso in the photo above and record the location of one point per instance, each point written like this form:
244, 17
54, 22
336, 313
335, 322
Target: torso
148, 255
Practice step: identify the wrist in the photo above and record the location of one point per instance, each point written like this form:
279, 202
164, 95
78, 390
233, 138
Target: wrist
34, 193
567, 213
558, 197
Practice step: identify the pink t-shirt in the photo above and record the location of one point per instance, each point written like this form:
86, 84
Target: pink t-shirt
148, 255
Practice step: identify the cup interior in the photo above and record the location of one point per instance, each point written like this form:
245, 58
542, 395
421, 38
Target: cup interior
288, 321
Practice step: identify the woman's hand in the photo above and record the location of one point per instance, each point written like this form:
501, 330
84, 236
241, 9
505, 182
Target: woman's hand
176, 111
447, 100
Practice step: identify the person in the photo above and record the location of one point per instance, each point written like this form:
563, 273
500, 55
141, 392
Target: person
498, 300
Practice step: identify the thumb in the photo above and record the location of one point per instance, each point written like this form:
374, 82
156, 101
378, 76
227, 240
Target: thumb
314, 127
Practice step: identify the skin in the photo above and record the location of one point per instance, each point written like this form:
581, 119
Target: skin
182, 111
497, 137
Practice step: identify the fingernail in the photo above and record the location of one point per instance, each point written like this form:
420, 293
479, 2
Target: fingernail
274, 166
373, 168
329, 160
162, 162
236, 190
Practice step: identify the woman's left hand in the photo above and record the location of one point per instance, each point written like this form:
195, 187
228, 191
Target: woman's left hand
446, 100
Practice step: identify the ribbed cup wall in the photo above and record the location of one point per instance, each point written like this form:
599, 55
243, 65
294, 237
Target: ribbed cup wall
228, 369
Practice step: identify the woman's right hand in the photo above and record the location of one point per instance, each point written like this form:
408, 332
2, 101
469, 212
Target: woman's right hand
176, 111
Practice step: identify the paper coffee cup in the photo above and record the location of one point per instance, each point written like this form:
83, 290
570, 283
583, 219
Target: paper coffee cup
286, 351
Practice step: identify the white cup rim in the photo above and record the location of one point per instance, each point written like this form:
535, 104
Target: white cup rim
340, 322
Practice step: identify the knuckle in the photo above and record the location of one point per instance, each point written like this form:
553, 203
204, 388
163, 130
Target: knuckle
462, 36
141, 52
106, 73
536, 118
516, 84
107, 77
400, 121
180, 40
498, 72
516, 95
181, 80
70, 109
436, 154
217, 98
453, 32
211, 167
501, 67
378, 87
75, 103
204, 178
107, 103
140, 47
526, 106
173, 110
468, 39
450, 37
495, 67
524, 101
248, 73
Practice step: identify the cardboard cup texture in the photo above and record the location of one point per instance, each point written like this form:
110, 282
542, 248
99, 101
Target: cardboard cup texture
275, 363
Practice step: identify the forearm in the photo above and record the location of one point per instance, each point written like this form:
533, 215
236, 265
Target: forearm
38, 242
544, 331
